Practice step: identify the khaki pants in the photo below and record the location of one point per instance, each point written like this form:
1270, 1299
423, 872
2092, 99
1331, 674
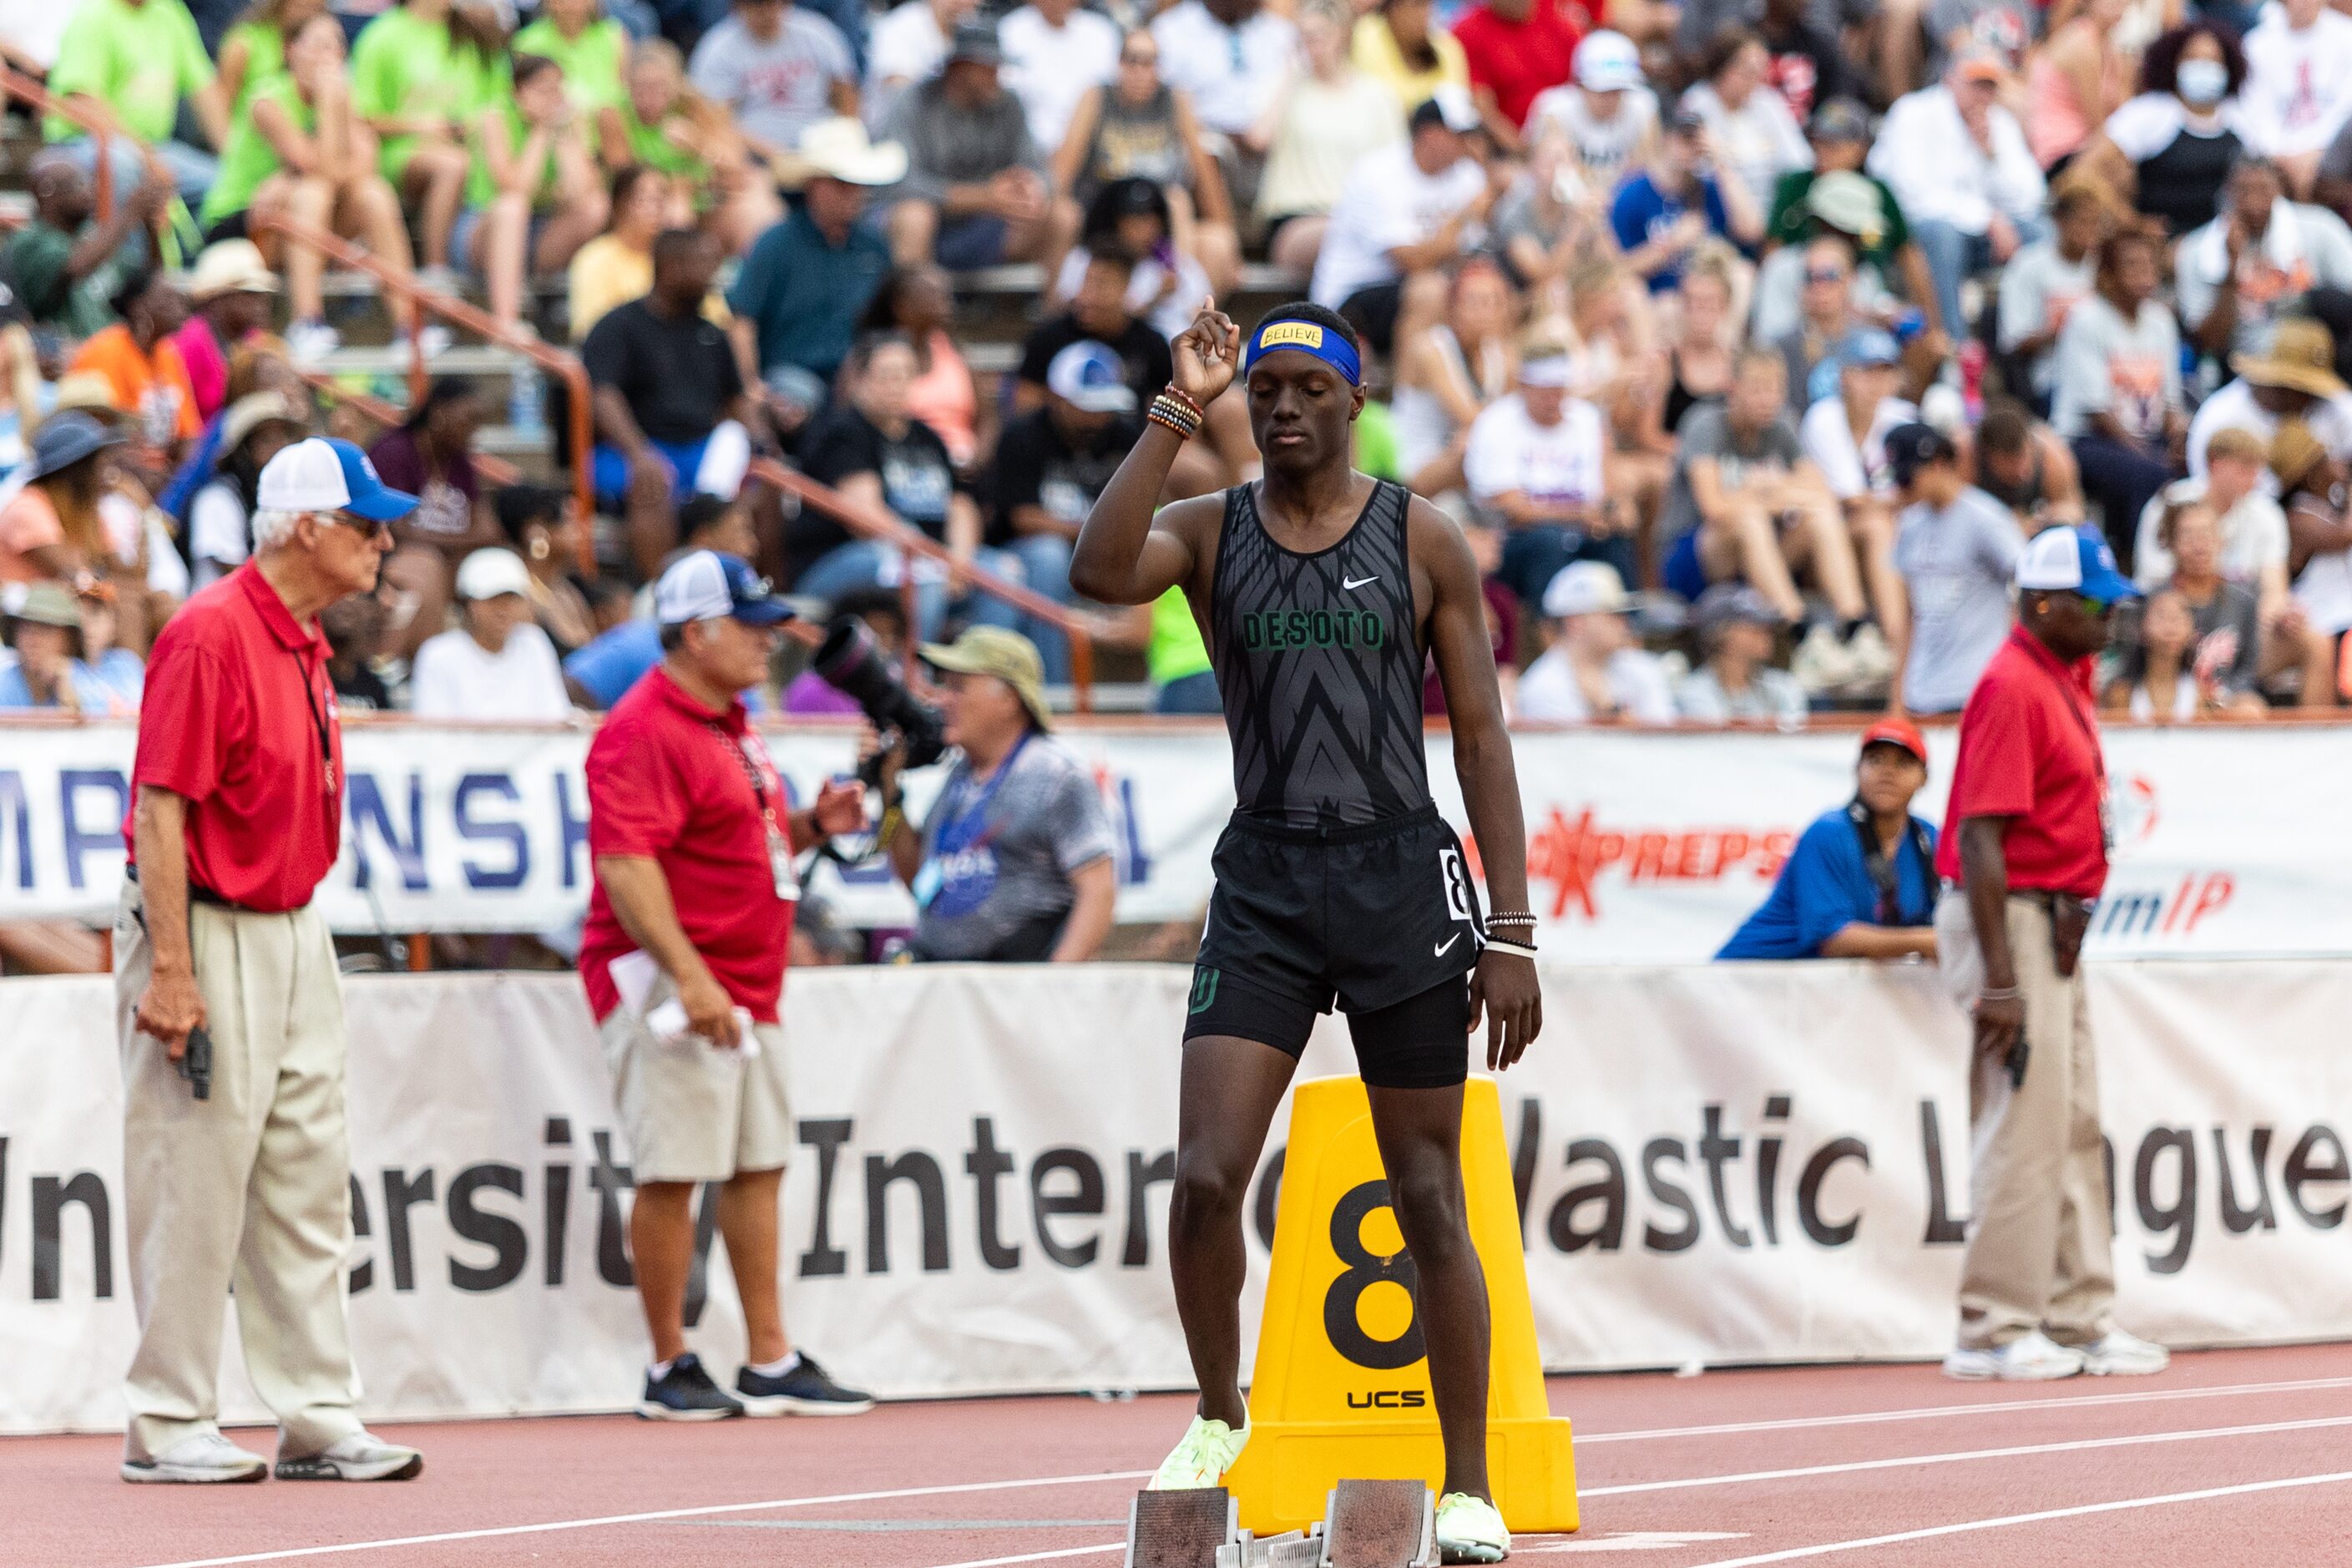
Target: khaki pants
2041, 1241
251, 1186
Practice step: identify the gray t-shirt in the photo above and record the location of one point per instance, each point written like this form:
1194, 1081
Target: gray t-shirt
1957, 564
997, 856
2104, 364
948, 145
1707, 432
778, 88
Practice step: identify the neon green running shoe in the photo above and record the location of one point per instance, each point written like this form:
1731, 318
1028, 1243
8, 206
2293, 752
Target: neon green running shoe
1202, 1459
1470, 1529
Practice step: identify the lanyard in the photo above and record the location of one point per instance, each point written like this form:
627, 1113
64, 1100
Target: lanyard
741, 746
2048, 663
317, 718
951, 835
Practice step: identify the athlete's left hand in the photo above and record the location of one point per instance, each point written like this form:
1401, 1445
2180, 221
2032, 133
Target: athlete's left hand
1504, 990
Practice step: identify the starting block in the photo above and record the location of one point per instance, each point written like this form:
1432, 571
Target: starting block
1380, 1524
1201, 1529
1367, 1524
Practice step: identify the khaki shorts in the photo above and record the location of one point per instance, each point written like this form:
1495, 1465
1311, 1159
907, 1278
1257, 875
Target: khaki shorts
693, 1112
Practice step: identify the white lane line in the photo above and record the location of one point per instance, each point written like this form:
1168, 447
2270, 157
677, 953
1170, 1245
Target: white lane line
340, 1547
1039, 1556
2202, 1495
1990, 1407
2080, 1444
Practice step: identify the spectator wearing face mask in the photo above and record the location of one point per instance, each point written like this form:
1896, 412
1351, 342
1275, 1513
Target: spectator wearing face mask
2172, 146
497, 665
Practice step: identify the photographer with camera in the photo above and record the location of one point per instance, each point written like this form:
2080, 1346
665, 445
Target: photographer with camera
1013, 864
2023, 856
683, 958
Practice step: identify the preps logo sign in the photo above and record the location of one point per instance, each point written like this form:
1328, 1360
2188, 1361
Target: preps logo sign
1571, 857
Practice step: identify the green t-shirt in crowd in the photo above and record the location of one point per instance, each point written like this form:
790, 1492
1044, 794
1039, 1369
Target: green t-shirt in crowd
403, 67
138, 60
591, 63
265, 59
249, 159
1376, 442
481, 186
650, 147
1175, 649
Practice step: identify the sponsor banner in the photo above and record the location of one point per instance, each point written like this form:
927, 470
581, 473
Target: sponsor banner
1643, 847
1734, 1163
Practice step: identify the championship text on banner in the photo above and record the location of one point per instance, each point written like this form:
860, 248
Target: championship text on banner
1643, 848
1727, 1164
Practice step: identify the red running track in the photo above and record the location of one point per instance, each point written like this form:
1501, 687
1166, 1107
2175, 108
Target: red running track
2231, 1457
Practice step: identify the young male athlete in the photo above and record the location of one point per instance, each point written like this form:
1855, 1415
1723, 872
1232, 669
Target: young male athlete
1321, 590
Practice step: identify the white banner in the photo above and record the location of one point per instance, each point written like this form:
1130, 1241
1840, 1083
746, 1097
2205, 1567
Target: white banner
1643, 847
1745, 1162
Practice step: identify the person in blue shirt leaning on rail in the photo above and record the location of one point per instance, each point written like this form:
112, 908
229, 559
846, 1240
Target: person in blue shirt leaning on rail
1860, 883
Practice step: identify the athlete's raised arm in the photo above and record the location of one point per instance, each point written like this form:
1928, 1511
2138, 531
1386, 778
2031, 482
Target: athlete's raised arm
1504, 989
1124, 555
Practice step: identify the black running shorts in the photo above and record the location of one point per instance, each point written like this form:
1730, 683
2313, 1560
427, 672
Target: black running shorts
1382, 918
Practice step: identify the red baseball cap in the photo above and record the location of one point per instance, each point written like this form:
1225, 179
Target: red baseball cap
1897, 731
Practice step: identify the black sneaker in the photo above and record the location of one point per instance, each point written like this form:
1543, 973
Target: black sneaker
803, 1391
686, 1393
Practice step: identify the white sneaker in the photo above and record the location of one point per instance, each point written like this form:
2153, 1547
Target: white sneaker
1822, 663
311, 342
200, 1457
2034, 1358
1872, 659
2118, 1354
435, 338
362, 1457
1206, 1452
1470, 1529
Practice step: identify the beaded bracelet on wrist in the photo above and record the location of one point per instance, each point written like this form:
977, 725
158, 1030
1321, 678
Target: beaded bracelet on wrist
1176, 412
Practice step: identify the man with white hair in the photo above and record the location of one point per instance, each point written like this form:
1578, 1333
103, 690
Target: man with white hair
235, 1168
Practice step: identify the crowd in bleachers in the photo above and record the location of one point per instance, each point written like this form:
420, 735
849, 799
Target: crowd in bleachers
1747, 340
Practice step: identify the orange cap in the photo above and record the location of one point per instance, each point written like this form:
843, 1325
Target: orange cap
1897, 731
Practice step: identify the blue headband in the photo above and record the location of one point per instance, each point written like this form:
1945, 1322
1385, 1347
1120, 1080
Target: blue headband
1308, 338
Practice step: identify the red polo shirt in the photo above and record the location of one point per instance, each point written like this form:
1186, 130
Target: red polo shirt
1517, 60
226, 722
2030, 750
667, 780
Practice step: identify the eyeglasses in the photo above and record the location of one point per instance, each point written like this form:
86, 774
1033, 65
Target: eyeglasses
1824, 274
1143, 62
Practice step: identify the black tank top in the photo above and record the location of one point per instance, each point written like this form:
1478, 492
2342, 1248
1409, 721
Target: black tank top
2182, 185
1319, 664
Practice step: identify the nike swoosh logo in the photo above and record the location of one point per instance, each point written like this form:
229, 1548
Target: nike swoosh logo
1449, 942
1352, 583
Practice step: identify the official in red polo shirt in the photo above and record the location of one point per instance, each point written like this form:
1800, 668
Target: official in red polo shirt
235, 1162
1516, 49
683, 958
2023, 855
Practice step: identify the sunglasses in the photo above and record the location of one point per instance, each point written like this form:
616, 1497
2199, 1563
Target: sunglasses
367, 528
2096, 607
1824, 275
